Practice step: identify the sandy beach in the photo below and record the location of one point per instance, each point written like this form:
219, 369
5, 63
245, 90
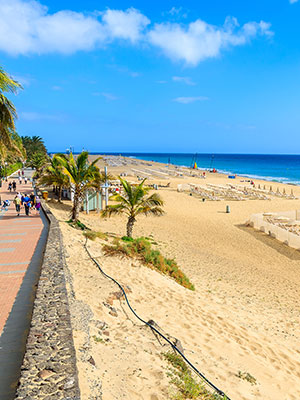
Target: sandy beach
243, 315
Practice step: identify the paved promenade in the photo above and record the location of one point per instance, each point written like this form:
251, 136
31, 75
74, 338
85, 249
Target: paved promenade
18, 239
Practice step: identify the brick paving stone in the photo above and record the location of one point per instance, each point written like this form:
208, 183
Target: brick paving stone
19, 236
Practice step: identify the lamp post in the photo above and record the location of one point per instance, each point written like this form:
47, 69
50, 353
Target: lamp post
5, 165
105, 189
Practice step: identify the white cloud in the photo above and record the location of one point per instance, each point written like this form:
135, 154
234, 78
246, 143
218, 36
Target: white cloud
125, 70
125, 25
108, 96
161, 82
198, 40
23, 80
134, 74
35, 116
27, 27
188, 100
183, 79
56, 88
177, 12
293, 1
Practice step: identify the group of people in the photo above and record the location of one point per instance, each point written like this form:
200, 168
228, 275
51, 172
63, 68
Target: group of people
12, 186
24, 178
29, 202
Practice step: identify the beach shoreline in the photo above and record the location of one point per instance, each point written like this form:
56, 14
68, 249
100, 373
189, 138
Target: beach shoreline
286, 168
192, 173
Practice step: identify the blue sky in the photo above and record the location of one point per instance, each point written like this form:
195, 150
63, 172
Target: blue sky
171, 76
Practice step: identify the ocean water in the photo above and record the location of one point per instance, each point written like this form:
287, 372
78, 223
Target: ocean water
277, 168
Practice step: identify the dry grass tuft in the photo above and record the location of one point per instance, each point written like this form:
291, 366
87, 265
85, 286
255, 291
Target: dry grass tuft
141, 248
93, 235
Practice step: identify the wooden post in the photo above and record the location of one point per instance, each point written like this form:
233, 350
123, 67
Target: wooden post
98, 202
87, 202
106, 188
101, 200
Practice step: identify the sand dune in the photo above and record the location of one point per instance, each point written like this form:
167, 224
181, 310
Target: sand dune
243, 316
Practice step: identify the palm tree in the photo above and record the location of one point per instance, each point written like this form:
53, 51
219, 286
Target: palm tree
8, 114
54, 175
33, 145
38, 162
133, 203
81, 175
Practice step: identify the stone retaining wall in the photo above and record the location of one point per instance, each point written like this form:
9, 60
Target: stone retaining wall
49, 367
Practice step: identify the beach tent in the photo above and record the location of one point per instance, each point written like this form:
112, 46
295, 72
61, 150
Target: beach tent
92, 201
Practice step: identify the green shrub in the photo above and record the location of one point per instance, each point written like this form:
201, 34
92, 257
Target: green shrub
78, 225
13, 168
127, 239
141, 248
186, 383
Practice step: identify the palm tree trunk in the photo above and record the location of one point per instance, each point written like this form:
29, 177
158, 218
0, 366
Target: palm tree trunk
59, 194
130, 223
76, 206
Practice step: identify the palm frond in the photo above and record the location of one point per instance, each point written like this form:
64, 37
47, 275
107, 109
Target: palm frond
121, 199
154, 199
8, 114
115, 209
8, 84
149, 210
95, 162
127, 188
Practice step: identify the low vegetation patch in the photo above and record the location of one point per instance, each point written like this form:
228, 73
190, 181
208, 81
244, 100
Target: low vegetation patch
187, 386
98, 339
93, 235
247, 377
13, 168
78, 225
141, 248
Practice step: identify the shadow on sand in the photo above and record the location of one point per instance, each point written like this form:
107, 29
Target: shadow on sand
280, 247
59, 206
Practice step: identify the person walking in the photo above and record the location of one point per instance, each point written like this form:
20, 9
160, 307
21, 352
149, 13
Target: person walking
27, 204
37, 204
9, 186
25, 180
32, 199
6, 203
17, 202
14, 185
